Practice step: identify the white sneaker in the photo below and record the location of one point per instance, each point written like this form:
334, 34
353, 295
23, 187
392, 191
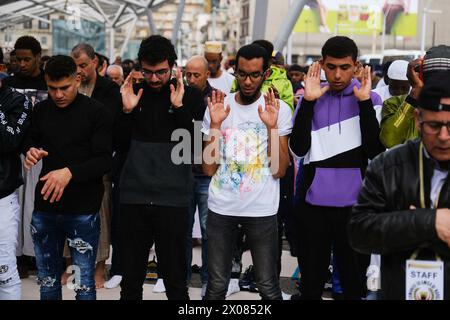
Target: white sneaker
324, 29
233, 287
113, 282
286, 296
203, 290
159, 286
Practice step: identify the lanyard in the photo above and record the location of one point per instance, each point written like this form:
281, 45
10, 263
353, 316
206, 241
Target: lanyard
422, 196
422, 183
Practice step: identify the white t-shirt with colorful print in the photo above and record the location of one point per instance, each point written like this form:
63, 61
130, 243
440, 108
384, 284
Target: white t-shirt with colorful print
243, 185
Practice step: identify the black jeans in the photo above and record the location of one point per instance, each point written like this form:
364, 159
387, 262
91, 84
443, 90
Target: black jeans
262, 238
115, 225
141, 225
319, 228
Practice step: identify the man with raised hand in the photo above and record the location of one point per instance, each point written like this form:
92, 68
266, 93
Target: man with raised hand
336, 131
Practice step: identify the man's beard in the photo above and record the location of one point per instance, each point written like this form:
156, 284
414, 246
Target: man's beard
250, 99
161, 85
214, 73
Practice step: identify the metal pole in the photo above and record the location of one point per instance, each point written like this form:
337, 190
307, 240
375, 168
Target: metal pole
260, 20
180, 53
424, 30
424, 25
289, 45
288, 25
434, 34
176, 28
128, 36
151, 22
214, 17
111, 43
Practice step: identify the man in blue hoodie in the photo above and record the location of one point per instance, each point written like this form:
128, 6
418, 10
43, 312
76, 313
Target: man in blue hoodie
336, 131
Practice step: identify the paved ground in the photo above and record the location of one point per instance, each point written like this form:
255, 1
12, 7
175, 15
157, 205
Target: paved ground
30, 290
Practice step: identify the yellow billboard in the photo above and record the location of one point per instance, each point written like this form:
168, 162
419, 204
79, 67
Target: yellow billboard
359, 17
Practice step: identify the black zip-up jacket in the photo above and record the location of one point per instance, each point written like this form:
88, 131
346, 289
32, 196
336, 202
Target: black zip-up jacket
149, 175
15, 110
382, 222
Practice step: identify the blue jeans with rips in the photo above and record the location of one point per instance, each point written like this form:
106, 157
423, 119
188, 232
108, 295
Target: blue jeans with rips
49, 231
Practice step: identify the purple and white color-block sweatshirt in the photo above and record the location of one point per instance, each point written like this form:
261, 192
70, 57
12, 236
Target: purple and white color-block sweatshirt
336, 135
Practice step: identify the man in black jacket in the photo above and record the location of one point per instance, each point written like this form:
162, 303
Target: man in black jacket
14, 121
106, 92
402, 210
30, 81
155, 188
72, 134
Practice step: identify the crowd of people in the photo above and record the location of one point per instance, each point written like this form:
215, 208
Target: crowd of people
350, 169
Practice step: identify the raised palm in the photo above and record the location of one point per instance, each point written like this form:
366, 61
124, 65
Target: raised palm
129, 98
176, 95
269, 116
313, 90
216, 108
363, 93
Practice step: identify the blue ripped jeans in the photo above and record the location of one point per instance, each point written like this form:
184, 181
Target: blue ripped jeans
49, 231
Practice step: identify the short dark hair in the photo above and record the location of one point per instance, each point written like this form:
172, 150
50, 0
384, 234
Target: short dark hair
59, 67
1, 55
28, 43
128, 61
340, 47
45, 58
267, 45
83, 48
295, 67
253, 51
101, 58
156, 49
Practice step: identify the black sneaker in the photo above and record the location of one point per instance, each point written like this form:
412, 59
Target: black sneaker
195, 269
247, 283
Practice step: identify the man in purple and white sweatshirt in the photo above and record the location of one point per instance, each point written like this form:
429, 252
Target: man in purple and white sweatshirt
335, 131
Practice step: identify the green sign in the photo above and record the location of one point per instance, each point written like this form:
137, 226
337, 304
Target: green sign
359, 17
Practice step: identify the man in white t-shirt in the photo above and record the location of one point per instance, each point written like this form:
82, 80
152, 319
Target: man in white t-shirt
219, 78
246, 153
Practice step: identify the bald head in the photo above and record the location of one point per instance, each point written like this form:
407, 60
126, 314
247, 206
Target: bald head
197, 73
198, 61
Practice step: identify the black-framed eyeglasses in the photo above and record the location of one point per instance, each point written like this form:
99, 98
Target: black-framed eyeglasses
434, 127
159, 73
241, 75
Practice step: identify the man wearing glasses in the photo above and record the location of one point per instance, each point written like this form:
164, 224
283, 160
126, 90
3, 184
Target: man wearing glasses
402, 210
154, 189
246, 154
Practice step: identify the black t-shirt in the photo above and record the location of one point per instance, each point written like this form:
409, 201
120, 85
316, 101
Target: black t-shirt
79, 137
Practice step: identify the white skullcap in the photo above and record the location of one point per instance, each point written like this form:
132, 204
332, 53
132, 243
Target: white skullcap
397, 70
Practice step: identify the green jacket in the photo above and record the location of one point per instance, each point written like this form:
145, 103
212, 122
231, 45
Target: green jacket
279, 80
397, 122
